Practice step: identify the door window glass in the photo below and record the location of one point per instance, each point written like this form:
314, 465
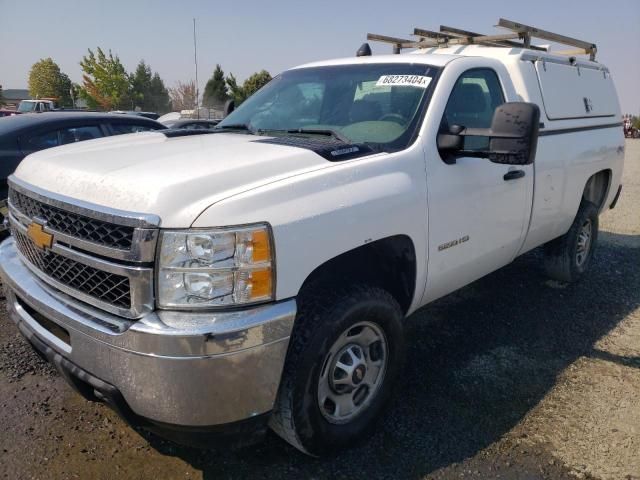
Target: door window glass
42, 140
473, 100
79, 134
122, 128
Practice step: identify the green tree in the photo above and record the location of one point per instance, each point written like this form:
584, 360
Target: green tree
140, 85
159, 95
251, 85
105, 81
255, 82
47, 81
236, 91
148, 91
1, 97
215, 91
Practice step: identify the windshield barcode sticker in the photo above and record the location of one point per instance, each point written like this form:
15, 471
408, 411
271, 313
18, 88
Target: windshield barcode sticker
419, 81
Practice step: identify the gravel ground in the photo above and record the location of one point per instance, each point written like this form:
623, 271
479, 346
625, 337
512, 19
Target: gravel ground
513, 377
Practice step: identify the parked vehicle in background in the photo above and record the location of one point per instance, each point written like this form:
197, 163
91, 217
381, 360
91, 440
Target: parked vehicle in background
208, 114
169, 117
629, 130
260, 273
35, 106
24, 134
39, 106
192, 124
151, 115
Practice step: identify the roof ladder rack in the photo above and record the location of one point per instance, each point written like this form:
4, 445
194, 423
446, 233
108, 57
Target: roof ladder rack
456, 32
529, 32
396, 42
519, 37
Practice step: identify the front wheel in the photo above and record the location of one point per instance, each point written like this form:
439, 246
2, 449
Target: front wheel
568, 257
345, 353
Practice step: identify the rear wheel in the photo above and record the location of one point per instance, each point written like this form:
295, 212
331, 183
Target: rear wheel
344, 355
569, 256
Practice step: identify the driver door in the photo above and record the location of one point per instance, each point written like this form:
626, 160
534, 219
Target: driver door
478, 210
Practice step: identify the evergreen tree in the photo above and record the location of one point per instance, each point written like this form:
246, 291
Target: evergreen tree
159, 95
148, 91
140, 86
215, 91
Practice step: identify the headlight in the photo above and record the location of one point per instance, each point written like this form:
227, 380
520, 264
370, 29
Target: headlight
217, 267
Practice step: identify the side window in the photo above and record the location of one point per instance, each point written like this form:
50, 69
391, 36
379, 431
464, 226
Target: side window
79, 134
473, 100
41, 141
122, 128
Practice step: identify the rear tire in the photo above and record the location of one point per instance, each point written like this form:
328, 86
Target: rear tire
568, 257
345, 353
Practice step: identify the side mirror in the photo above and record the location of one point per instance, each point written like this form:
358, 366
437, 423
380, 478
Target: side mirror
513, 136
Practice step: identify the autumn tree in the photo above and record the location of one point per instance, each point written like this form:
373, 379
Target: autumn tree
46, 80
105, 81
183, 96
215, 91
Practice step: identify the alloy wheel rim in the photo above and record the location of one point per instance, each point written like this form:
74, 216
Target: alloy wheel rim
585, 236
353, 372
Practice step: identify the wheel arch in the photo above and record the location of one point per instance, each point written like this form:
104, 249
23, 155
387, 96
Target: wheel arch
596, 190
388, 263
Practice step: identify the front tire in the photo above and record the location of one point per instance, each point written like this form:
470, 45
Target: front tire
568, 257
345, 353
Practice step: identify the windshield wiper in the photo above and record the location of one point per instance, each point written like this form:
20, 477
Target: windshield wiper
327, 132
237, 126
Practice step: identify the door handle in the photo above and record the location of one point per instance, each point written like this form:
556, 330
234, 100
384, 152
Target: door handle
513, 174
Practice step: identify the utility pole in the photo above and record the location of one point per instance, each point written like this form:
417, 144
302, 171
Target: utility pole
195, 59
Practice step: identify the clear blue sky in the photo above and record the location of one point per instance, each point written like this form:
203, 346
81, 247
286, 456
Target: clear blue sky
245, 36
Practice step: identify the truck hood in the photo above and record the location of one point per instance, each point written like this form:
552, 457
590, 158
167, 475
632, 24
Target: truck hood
174, 178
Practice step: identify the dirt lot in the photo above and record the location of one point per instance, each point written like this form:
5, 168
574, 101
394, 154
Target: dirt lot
514, 377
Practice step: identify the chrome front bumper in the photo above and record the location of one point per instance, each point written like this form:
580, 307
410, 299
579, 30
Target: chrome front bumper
179, 368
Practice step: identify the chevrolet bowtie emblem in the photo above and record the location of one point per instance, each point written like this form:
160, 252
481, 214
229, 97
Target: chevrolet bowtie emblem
39, 237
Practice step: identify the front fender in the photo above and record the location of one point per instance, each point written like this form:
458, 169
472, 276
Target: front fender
319, 215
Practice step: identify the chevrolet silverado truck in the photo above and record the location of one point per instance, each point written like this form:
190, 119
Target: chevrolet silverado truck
259, 274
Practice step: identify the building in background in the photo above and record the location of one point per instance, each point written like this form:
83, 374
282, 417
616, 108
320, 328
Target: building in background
13, 96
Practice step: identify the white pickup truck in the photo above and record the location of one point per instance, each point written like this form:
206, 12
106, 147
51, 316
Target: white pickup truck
260, 274
30, 106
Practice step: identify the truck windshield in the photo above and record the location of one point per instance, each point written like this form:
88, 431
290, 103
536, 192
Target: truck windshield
375, 104
26, 107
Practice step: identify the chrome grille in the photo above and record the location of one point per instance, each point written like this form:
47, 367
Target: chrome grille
99, 255
73, 224
103, 286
